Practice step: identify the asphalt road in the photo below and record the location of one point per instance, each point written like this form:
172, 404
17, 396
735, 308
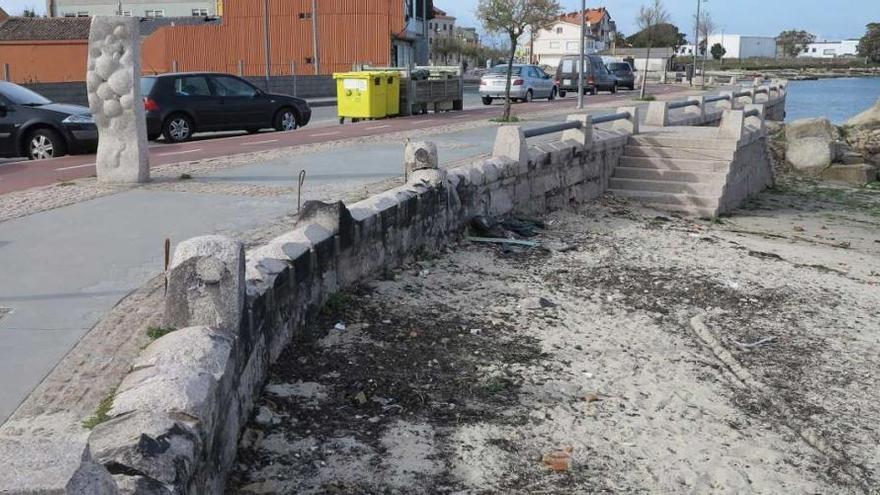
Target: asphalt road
24, 174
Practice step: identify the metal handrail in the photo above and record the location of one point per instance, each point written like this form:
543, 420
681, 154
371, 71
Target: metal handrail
611, 118
713, 99
752, 113
683, 104
742, 93
762, 90
550, 129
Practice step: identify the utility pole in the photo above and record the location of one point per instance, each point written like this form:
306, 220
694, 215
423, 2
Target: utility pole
696, 43
267, 43
582, 56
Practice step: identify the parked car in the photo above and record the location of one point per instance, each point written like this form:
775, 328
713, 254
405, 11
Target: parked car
181, 104
35, 127
596, 76
626, 78
527, 82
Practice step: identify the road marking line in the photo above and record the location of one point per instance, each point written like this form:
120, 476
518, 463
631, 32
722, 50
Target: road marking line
179, 152
320, 134
74, 167
262, 142
376, 127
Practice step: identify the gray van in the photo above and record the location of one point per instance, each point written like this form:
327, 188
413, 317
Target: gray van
596, 77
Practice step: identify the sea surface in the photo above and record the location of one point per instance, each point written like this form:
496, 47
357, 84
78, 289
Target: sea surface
836, 99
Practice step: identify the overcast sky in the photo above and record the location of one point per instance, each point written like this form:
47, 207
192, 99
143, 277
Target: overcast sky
829, 19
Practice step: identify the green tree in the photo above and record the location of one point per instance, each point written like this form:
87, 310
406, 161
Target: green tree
717, 51
653, 22
29, 12
869, 46
513, 18
663, 34
793, 42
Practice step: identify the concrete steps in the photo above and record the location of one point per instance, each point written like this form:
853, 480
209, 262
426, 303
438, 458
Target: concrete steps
686, 153
682, 142
671, 175
675, 172
702, 206
666, 186
673, 163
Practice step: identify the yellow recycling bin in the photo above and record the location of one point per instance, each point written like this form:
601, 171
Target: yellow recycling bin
392, 95
361, 95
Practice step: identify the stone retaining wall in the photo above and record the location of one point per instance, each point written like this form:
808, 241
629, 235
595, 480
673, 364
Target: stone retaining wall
176, 418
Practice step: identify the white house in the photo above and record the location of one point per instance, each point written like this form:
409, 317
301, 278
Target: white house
563, 38
137, 8
831, 49
738, 46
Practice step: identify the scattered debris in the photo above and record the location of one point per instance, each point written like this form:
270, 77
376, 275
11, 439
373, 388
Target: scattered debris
558, 460
498, 240
339, 326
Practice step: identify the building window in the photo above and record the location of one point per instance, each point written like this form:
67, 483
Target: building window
154, 13
126, 13
814, 50
572, 46
559, 30
305, 15
308, 60
554, 44
199, 12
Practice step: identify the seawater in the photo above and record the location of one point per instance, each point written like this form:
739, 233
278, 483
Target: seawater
836, 99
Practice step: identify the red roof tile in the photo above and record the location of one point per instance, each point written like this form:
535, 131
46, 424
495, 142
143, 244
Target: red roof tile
45, 28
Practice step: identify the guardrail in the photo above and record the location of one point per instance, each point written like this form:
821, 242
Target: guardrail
752, 113
713, 99
575, 124
683, 104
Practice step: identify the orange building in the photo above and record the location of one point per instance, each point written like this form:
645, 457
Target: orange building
379, 32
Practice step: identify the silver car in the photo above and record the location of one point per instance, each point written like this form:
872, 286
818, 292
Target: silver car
527, 83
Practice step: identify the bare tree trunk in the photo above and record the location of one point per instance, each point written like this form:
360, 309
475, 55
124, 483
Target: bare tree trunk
506, 116
645, 75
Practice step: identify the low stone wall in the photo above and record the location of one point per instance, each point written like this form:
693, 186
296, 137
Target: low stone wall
175, 419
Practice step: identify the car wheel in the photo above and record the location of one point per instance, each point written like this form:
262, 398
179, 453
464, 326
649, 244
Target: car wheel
552, 95
614, 88
487, 100
177, 129
285, 120
562, 94
529, 96
43, 144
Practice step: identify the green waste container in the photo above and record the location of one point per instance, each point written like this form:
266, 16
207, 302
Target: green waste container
361, 95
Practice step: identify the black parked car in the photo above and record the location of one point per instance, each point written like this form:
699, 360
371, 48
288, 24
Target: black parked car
181, 104
33, 126
624, 74
596, 76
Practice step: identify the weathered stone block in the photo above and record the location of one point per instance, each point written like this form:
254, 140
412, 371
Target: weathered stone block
419, 155
206, 284
113, 84
510, 143
853, 175
810, 146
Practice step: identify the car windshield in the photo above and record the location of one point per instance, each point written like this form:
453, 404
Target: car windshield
502, 70
147, 84
619, 67
21, 96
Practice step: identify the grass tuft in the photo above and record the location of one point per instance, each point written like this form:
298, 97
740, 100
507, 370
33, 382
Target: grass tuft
185, 177
155, 333
102, 413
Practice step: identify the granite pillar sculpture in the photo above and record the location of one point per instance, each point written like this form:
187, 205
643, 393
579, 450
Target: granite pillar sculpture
113, 82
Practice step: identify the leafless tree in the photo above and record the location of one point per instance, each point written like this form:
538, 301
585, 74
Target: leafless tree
513, 18
705, 28
648, 20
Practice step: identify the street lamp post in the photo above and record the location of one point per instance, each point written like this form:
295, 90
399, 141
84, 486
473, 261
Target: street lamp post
696, 41
582, 57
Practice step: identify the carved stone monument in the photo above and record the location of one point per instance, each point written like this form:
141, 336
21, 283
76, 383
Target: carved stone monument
113, 81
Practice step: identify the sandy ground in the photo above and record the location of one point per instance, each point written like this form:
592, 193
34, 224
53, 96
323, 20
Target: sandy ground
633, 352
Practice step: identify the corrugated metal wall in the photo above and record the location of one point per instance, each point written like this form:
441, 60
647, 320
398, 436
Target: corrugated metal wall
349, 31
